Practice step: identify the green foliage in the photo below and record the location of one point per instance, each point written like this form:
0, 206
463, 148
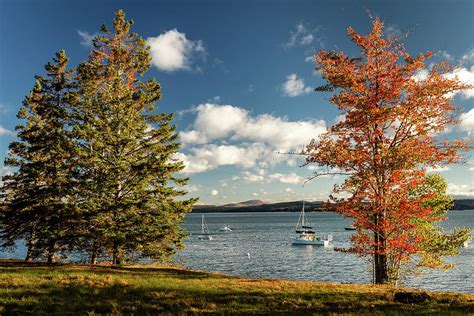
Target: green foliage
35, 197
95, 160
128, 190
437, 243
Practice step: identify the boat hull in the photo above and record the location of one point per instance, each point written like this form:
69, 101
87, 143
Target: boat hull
206, 237
298, 241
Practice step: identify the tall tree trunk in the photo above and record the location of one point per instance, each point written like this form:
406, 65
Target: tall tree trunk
28, 257
51, 251
380, 260
116, 255
93, 256
30, 244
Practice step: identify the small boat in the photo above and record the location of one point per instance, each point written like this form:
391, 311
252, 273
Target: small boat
226, 228
306, 234
205, 234
350, 227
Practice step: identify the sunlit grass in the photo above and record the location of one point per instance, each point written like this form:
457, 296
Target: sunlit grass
81, 289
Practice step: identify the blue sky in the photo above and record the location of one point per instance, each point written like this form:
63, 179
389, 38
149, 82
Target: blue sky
237, 76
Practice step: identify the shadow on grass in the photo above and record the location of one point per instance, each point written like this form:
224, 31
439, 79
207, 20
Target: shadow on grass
81, 299
61, 291
11, 266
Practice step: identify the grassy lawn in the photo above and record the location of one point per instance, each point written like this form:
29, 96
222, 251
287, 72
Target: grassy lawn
141, 290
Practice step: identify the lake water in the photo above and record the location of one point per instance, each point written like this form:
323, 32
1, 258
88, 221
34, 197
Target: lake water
259, 246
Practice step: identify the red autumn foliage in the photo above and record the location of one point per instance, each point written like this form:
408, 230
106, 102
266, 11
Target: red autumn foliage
389, 135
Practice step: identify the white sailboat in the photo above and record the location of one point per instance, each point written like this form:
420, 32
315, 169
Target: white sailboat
226, 228
205, 234
306, 234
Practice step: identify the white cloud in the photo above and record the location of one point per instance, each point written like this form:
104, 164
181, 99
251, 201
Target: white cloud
215, 121
313, 167
446, 55
255, 194
294, 86
229, 135
193, 137
468, 57
193, 187
252, 177
466, 76
211, 156
172, 51
301, 36
218, 121
214, 192
4, 131
421, 74
288, 190
462, 190
86, 38
437, 169
307, 39
467, 122
291, 178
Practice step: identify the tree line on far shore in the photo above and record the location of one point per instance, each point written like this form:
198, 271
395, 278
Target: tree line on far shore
94, 160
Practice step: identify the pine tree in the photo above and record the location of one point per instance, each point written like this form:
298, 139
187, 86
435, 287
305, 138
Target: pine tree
129, 197
36, 197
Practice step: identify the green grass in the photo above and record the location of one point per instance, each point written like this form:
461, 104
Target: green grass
143, 290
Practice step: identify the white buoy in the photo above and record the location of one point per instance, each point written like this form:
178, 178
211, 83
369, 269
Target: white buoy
248, 255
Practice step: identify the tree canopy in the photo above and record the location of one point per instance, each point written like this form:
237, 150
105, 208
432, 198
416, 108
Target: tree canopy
387, 138
96, 160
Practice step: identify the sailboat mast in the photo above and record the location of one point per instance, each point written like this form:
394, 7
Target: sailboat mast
202, 223
303, 223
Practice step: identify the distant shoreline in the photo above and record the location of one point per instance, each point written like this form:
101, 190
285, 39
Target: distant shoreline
294, 206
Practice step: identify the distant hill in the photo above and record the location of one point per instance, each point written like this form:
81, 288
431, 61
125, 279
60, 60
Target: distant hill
245, 203
294, 206
260, 206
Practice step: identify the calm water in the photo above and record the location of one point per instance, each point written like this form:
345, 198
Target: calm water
259, 246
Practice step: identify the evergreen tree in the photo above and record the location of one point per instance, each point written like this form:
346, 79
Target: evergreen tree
36, 197
128, 193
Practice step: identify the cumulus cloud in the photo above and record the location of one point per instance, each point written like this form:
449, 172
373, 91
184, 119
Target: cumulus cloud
214, 192
86, 38
294, 86
465, 75
193, 137
252, 177
172, 51
261, 177
211, 156
228, 135
214, 121
193, 188
4, 131
468, 57
291, 178
217, 121
467, 122
460, 190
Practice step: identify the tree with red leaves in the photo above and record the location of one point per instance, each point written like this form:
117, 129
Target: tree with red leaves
387, 139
